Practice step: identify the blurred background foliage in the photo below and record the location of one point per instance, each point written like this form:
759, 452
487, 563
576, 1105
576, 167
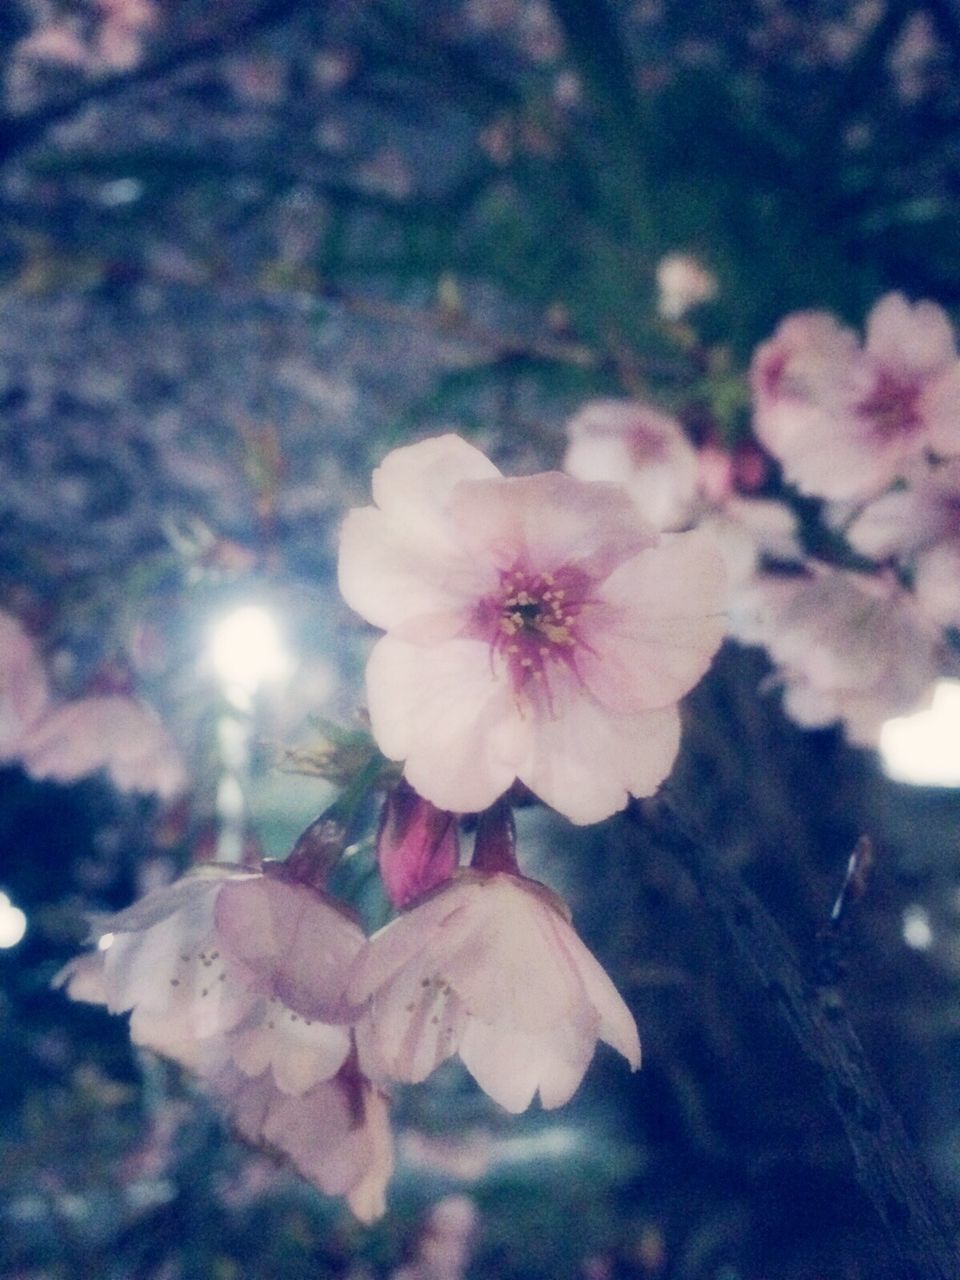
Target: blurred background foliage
246, 247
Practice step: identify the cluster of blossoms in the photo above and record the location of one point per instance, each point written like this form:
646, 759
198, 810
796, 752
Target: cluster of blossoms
69, 740
539, 633
538, 630
872, 429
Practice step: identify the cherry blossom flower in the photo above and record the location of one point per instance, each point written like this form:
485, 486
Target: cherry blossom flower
919, 527
642, 448
848, 647
846, 420
116, 733
488, 967
240, 977
24, 694
223, 966
536, 630
417, 845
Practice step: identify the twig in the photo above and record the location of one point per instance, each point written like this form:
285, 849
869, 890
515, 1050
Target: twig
922, 1229
21, 130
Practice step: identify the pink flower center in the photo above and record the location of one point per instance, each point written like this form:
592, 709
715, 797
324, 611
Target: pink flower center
532, 621
892, 406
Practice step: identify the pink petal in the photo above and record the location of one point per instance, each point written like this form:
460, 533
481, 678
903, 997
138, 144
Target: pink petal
393, 579
292, 938
447, 713
665, 623
548, 522
586, 763
912, 341
119, 734
415, 483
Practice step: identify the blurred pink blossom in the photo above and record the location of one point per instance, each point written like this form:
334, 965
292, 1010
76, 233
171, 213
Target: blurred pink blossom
446, 1242
536, 630
116, 733
636, 445
336, 1133
936, 583
845, 420
490, 968
910, 519
848, 647
24, 693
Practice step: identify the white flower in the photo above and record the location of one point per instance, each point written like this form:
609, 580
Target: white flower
224, 966
487, 967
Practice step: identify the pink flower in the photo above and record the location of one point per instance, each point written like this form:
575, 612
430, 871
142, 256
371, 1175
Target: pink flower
638, 446
240, 977
844, 420
487, 967
336, 1133
536, 630
24, 694
116, 733
848, 647
224, 967
417, 845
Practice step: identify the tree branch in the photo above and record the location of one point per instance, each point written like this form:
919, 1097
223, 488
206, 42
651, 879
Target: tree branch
19, 131
922, 1229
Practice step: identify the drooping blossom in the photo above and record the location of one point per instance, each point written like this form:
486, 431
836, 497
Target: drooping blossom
24, 693
336, 1133
113, 732
846, 420
487, 967
638, 446
240, 977
417, 845
536, 630
224, 965
848, 647
683, 283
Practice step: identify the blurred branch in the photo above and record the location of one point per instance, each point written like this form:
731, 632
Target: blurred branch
19, 131
922, 1229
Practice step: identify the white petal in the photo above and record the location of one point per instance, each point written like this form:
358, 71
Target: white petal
391, 577
414, 483
586, 762
450, 715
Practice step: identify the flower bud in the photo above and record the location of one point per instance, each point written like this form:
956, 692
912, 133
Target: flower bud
417, 845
